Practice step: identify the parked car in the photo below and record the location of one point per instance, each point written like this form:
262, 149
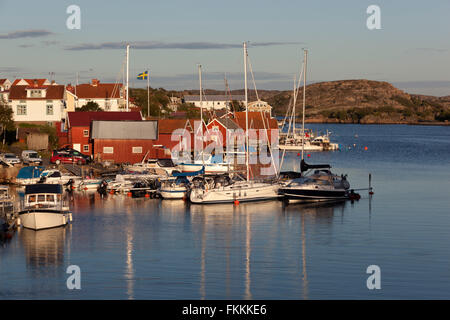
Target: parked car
63, 156
10, 158
75, 153
31, 157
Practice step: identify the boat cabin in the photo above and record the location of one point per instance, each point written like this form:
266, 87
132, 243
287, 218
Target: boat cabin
43, 195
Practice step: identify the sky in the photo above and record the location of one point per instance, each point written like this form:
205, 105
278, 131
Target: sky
171, 37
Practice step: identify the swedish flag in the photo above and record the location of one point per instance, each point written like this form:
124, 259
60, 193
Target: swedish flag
143, 75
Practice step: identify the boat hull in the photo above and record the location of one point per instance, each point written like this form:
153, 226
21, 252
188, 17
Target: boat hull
313, 194
231, 194
174, 193
38, 219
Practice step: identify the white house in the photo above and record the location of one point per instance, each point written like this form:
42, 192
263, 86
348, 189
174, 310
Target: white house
259, 105
5, 84
213, 101
108, 96
38, 103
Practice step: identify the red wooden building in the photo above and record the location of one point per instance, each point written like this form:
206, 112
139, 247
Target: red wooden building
79, 126
124, 141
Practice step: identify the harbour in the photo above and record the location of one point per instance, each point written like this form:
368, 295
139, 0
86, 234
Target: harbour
141, 248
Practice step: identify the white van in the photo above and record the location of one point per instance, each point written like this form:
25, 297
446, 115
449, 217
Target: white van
31, 157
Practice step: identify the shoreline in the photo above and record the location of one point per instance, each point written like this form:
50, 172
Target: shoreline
443, 124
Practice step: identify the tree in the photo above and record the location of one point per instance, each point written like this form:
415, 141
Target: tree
6, 119
90, 106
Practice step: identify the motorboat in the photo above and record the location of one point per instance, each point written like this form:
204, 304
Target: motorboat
166, 165
319, 184
44, 207
174, 188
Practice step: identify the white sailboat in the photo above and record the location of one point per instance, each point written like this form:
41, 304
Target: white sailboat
238, 191
303, 140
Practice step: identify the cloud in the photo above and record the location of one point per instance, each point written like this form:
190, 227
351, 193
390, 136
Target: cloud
49, 42
25, 45
26, 34
151, 45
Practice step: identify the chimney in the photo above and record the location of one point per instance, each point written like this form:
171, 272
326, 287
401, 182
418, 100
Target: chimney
95, 82
35, 82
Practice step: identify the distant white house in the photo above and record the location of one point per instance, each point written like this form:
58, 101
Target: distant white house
216, 102
260, 106
108, 96
37, 101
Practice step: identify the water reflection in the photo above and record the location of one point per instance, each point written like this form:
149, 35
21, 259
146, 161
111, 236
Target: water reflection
44, 249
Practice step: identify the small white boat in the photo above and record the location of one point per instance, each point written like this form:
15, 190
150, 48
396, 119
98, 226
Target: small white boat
89, 184
43, 207
175, 188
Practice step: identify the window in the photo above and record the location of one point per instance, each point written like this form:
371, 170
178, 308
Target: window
137, 150
108, 150
86, 148
21, 110
50, 198
49, 109
85, 133
215, 128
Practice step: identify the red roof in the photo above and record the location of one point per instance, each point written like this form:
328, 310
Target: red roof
256, 120
99, 91
31, 82
2, 81
167, 126
84, 119
54, 92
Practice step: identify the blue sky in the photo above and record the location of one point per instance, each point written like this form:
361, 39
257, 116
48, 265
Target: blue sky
171, 37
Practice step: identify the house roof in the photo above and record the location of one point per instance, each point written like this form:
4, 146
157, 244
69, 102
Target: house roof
227, 123
55, 92
99, 91
217, 97
168, 126
125, 130
256, 120
2, 81
83, 119
32, 82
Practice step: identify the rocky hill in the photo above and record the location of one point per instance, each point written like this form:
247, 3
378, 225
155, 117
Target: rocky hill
354, 101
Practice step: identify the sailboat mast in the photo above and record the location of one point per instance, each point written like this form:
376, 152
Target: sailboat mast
128, 73
246, 112
304, 101
201, 106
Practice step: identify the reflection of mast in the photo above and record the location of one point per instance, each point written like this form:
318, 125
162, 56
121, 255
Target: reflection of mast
202, 265
248, 294
129, 276
304, 275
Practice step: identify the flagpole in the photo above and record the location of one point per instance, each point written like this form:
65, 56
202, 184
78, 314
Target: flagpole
148, 94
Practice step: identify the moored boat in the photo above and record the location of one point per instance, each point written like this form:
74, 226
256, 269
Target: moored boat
43, 207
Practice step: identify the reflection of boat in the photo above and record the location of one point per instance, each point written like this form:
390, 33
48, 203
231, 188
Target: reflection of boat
44, 248
43, 207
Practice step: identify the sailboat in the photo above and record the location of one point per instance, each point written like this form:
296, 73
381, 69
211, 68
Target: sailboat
211, 163
236, 191
317, 185
303, 140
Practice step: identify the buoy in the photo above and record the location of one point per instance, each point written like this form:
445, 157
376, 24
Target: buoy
298, 154
129, 194
308, 155
85, 188
147, 195
365, 148
236, 202
73, 188
111, 192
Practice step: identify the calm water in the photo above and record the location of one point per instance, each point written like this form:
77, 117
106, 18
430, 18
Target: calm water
151, 249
